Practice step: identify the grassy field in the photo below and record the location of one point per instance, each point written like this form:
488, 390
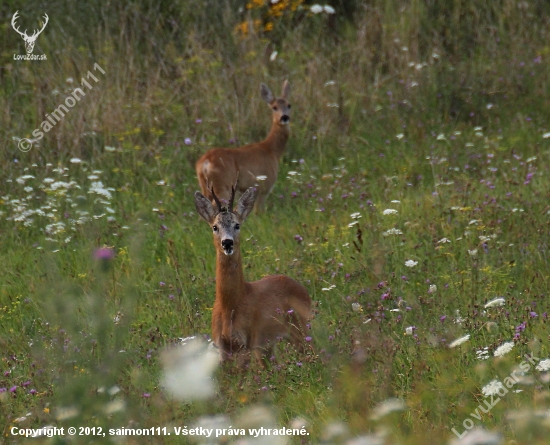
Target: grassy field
412, 203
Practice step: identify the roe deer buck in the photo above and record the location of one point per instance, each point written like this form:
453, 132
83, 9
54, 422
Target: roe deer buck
258, 162
249, 316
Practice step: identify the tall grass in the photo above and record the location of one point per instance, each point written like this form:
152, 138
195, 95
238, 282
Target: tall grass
435, 109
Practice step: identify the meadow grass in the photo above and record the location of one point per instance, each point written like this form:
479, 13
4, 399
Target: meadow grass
413, 192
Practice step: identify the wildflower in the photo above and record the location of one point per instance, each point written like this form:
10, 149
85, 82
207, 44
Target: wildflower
432, 289
544, 365
482, 354
75, 161
316, 9
386, 407
187, 141
399, 136
546, 135
188, 370
356, 307
332, 286
444, 240
472, 253
389, 212
492, 388
329, 9
109, 148
355, 215
104, 253
499, 301
410, 330
504, 349
392, 232
411, 263
459, 341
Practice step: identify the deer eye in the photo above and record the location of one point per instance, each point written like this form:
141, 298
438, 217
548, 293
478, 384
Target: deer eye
215, 228
274, 108
237, 226
289, 106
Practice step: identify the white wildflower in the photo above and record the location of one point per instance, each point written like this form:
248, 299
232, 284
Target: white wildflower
444, 240
109, 148
188, 369
432, 289
399, 136
544, 365
459, 341
472, 252
411, 263
329, 9
356, 307
355, 215
389, 212
386, 407
492, 388
316, 9
483, 354
499, 301
332, 286
392, 232
409, 330
75, 161
504, 349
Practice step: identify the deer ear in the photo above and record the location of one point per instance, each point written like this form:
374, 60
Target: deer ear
286, 90
246, 203
204, 207
266, 93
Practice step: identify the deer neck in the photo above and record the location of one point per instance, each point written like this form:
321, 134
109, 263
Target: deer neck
229, 279
277, 138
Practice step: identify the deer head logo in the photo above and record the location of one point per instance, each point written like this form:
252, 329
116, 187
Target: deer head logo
29, 40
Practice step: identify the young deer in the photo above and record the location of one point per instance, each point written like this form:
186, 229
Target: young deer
258, 162
249, 316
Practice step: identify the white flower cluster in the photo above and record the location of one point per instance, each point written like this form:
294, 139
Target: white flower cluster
56, 203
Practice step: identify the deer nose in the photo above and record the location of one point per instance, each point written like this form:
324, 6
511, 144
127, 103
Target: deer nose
285, 118
227, 244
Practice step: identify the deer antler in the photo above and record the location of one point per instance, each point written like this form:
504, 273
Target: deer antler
233, 190
37, 33
218, 203
13, 19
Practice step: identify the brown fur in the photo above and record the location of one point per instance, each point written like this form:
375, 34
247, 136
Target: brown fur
250, 317
219, 167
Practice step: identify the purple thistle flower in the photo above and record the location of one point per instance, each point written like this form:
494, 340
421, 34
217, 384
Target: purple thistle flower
13, 388
308, 339
104, 254
442, 318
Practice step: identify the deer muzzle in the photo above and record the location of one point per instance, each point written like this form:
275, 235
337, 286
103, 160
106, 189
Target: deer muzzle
227, 245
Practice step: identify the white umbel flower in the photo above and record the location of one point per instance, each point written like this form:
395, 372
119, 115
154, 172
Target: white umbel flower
504, 349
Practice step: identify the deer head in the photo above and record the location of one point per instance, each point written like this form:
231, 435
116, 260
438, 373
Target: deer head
280, 105
29, 40
225, 222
